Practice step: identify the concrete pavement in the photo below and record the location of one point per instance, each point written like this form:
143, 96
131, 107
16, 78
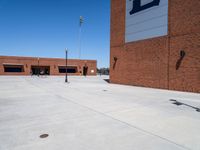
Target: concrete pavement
91, 114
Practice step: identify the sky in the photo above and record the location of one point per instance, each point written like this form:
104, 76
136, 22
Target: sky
44, 28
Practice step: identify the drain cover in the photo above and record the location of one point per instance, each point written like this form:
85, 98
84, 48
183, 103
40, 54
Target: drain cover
44, 136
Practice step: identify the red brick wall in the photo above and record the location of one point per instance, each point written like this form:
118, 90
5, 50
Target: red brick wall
152, 62
52, 62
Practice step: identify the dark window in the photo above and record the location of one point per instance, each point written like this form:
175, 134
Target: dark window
13, 69
69, 70
62, 70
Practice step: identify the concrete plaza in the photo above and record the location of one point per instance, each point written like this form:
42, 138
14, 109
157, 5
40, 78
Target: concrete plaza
90, 114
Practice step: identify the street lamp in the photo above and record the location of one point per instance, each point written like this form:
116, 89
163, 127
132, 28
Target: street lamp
81, 20
38, 67
66, 78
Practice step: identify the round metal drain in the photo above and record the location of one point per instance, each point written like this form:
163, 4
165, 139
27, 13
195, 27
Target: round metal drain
105, 90
44, 136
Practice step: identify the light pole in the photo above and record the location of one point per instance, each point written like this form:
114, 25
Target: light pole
38, 67
80, 25
66, 77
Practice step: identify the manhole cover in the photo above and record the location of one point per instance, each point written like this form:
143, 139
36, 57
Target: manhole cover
105, 90
44, 136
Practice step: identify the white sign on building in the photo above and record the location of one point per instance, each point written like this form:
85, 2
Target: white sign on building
146, 19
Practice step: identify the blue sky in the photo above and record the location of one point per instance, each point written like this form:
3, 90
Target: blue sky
45, 27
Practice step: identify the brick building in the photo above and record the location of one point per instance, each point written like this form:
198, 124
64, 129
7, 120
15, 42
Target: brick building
11, 65
156, 43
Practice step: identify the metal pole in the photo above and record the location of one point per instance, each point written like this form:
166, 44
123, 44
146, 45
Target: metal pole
79, 56
38, 67
80, 25
66, 77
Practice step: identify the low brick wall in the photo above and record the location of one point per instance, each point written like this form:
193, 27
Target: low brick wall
53, 63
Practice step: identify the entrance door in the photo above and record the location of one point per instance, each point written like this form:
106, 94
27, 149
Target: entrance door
85, 70
35, 71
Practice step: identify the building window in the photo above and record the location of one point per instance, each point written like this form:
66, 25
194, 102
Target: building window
70, 69
12, 68
62, 70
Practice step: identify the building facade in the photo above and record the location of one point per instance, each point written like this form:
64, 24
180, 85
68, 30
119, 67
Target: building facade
11, 65
156, 43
